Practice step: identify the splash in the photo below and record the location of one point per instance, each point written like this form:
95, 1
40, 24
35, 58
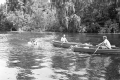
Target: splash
43, 43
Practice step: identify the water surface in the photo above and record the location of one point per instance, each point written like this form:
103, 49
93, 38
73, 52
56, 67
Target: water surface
20, 61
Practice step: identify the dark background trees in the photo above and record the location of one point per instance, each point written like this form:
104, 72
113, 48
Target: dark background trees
92, 16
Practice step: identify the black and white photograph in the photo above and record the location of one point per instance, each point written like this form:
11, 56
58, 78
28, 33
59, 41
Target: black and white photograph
59, 39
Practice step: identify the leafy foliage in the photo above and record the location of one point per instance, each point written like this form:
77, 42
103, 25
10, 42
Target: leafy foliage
5, 25
92, 16
30, 14
68, 20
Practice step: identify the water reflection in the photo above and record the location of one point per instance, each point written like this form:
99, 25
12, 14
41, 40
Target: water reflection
45, 62
113, 70
95, 67
31, 62
24, 60
69, 66
24, 74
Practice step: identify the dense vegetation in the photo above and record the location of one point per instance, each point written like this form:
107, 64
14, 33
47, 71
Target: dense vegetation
91, 16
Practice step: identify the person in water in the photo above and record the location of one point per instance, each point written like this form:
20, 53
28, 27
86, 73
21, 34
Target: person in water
63, 39
105, 44
32, 42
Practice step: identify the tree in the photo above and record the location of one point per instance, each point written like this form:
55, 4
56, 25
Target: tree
66, 14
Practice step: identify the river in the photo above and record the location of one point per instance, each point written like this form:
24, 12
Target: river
21, 61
